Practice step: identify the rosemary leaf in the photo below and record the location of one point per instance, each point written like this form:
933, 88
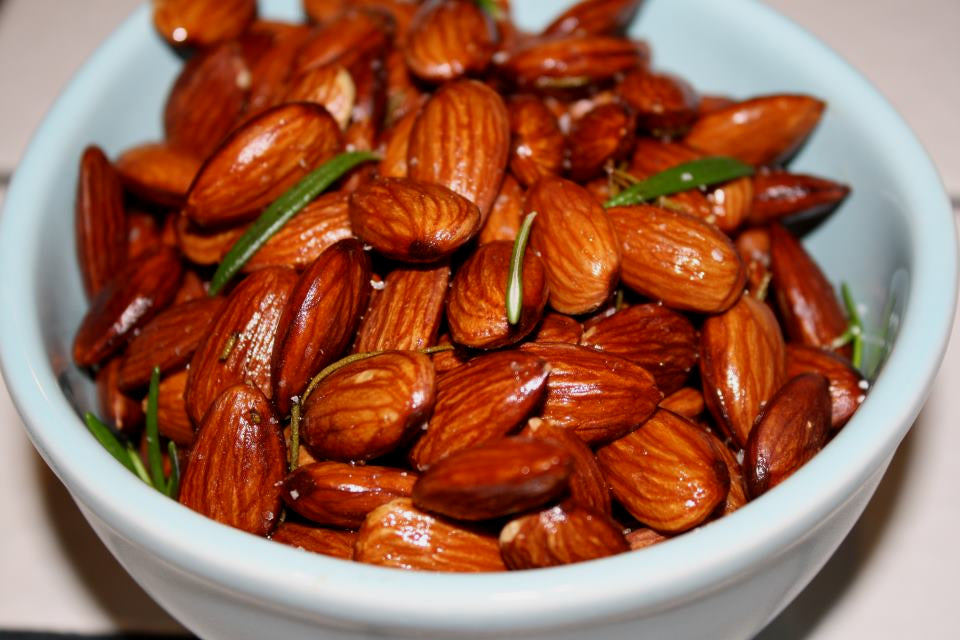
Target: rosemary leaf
689, 175
154, 455
515, 277
173, 481
108, 439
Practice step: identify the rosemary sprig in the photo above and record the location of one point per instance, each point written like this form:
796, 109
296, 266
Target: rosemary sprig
106, 437
490, 8
854, 333
281, 210
689, 175
152, 434
515, 276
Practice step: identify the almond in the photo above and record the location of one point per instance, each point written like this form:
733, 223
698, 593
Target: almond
678, 259
481, 401
537, 144
200, 23
653, 156
448, 39
117, 408
404, 96
461, 141
732, 203
394, 163
158, 173
270, 49
350, 36
561, 535
556, 327
586, 59
401, 536
167, 341
100, 222
260, 161
577, 244
406, 314
237, 463
506, 215
143, 234
765, 130
340, 494
192, 287
412, 221
660, 340
742, 364
666, 473
687, 402
753, 245
205, 246
331, 86
778, 194
125, 303
599, 396
848, 387
602, 136
369, 407
643, 538
666, 105
793, 427
476, 305
737, 496
495, 479
172, 418
329, 542
238, 347
449, 360
595, 17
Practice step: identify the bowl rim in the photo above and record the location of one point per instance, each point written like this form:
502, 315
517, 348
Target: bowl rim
308, 586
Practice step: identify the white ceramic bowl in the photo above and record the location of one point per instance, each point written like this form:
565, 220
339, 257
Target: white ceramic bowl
893, 241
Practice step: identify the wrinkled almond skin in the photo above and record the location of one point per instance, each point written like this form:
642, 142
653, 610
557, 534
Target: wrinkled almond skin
678, 259
556, 327
793, 427
731, 203
172, 418
766, 130
125, 303
660, 340
561, 535
329, 542
603, 135
599, 396
401, 536
200, 23
476, 303
158, 172
369, 407
587, 58
354, 34
643, 538
330, 85
100, 221
205, 246
341, 495
506, 215
778, 194
809, 308
665, 104
687, 402
737, 496
237, 463
260, 161
319, 319
167, 341
480, 401
462, 141
753, 245
577, 243
595, 17
449, 38
537, 145
742, 364
848, 387
412, 221
116, 407
270, 51
394, 163
406, 314
207, 99
143, 234
238, 347
496, 479
666, 473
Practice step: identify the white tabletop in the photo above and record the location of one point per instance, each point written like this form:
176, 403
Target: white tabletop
893, 577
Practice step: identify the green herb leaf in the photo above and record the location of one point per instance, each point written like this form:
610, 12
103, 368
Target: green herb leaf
281, 210
489, 7
856, 325
173, 481
689, 175
515, 277
154, 455
108, 439
138, 467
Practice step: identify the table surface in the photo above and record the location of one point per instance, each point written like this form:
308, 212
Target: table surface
894, 575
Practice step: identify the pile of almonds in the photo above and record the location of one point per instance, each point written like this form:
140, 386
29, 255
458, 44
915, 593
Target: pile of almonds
672, 359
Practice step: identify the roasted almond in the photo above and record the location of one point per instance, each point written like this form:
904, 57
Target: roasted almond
331, 86
369, 407
158, 172
499, 478
779, 194
602, 136
143, 234
642, 538
205, 246
237, 463
448, 39
340, 494
404, 95
686, 401
676, 258
652, 156
793, 427
667, 473
848, 387
561, 535
117, 408
100, 221
353, 34
556, 327
270, 49
200, 23
595, 17
506, 215
753, 245
586, 59
394, 163
665, 105
731, 203
537, 144
481, 401
172, 418
329, 542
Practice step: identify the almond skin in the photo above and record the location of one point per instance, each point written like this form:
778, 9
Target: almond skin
125, 303
237, 463
687, 402
406, 314
666, 105
495, 479
652, 156
412, 221
753, 245
603, 135
461, 141
666, 473
506, 215
778, 194
738, 495
556, 327
742, 364
270, 49
341, 495
352, 35
172, 418
793, 427
766, 130
577, 244
200, 23
239, 345
848, 387
537, 145
449, 38
401, 536
158, 172
100, 221
595, 17
481, 401
397, 143
561, 535
367, 408
205, 246
319, 318
660, 340
476, 304
260, 161
329, 542
588, 58
330, 85
168, 341
117, 408
643, 538
599, 396
678, 259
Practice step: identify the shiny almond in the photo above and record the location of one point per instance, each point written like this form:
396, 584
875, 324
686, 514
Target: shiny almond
100, 221
601, 137
158, 172
779, 194
586, 59
561, 535
448, 39
537, 145
331, 86
665, 105
506, 215
200, 23
848, 387
595, 17
329, 542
